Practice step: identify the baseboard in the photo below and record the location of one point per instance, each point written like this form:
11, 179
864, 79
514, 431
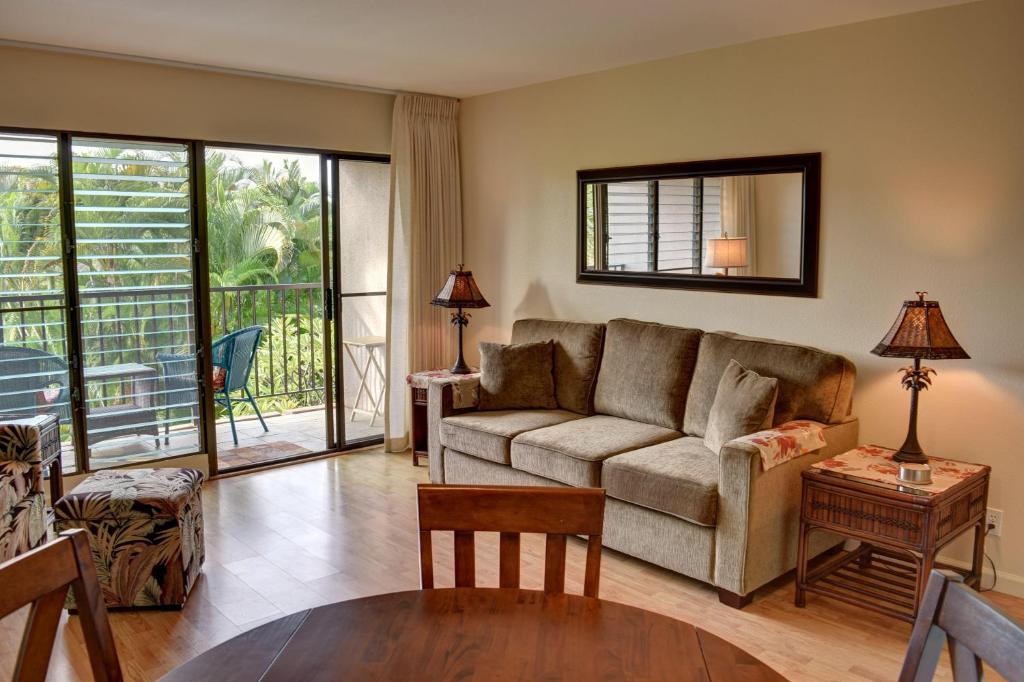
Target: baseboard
1008, 583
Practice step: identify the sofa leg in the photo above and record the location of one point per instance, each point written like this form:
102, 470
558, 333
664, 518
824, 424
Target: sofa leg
736, 601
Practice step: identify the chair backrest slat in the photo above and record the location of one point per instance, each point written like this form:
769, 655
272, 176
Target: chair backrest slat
465, 559
426, 560
976, 631
508, 558
966, 665
510, 511
42, 577
554, 563
40, 633
593, 574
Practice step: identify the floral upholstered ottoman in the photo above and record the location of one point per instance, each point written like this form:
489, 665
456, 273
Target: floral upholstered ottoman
146, 531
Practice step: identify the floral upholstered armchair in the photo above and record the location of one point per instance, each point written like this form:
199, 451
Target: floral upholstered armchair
22, 502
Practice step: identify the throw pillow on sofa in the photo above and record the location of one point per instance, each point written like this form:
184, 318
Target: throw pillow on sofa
517, 377
744, 404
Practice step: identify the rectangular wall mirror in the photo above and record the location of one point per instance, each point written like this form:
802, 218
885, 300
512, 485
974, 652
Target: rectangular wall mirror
746, 225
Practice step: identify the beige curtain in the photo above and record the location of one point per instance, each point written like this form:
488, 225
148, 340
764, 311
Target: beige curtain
425, 243
739, 216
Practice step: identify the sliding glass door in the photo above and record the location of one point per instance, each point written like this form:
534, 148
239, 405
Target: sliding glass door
265, 238
131, 267
133, 259
34, 351
363, 191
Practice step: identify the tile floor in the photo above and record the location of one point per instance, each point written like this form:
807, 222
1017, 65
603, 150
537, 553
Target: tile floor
289, 434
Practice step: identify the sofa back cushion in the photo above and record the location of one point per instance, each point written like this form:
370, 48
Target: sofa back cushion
813, 384
577, 355
645, 372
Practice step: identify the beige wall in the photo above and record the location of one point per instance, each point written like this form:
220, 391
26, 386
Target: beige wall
91, 94
919, 120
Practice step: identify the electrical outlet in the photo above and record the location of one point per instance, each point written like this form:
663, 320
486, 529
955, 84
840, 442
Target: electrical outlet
994, 521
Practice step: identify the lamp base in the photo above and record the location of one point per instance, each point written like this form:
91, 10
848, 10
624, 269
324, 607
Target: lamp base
910, 457
460, 367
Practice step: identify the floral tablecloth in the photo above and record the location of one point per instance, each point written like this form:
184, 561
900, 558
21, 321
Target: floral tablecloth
875, 463
786, 441
465, 387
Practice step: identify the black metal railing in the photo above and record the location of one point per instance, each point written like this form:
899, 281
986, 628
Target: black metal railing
132, 325
290, 360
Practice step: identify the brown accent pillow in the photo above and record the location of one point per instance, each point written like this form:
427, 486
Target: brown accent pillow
744, 404
517, 377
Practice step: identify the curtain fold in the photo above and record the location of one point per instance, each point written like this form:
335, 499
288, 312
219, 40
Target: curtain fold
424, 244
739, 216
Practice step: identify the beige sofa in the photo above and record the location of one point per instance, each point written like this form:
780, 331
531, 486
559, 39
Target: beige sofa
634, 399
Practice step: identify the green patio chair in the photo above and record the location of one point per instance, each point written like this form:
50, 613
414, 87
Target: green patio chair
234, 353
232, 356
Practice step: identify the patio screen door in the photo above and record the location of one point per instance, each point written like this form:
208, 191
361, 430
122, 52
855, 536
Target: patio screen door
363, 191
133, 258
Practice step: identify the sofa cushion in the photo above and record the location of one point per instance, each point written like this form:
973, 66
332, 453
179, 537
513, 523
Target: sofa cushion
517, 377
488, 435
577, 354
813, 384
679, 477
572, 452
744, 404
645, 372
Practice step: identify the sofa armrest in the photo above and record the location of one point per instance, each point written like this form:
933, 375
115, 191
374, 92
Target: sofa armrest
759, 510
445, 398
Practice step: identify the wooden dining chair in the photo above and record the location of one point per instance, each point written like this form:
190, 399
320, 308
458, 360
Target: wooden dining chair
975, 630
41, 577
509, 511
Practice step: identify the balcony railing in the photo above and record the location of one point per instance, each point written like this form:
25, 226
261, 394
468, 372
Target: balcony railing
132, 325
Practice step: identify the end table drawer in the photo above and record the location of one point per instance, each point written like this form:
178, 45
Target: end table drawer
831, 507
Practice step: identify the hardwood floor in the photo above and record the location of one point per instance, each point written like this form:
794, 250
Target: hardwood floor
314, 533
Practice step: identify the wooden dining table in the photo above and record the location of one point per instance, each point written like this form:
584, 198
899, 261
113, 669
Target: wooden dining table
474, 634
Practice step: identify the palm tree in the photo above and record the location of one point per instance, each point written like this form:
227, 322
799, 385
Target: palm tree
246, 235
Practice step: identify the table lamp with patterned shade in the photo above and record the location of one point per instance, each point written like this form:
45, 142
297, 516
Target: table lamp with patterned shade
460, 291
920, 332
727, 252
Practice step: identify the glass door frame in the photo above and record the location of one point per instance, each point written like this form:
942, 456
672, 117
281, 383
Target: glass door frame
340, 294
333, 295
330, 250
73, 330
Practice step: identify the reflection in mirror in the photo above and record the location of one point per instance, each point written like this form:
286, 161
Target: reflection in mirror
730, 226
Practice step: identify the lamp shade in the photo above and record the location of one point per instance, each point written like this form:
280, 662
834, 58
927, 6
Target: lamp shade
460, 291
920, 331
727, 253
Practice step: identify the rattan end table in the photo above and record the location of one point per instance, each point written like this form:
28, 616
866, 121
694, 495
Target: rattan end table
901, 528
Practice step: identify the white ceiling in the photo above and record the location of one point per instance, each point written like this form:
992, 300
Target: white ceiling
450, 47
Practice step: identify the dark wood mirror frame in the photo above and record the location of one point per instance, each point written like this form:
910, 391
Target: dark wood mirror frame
806, 285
